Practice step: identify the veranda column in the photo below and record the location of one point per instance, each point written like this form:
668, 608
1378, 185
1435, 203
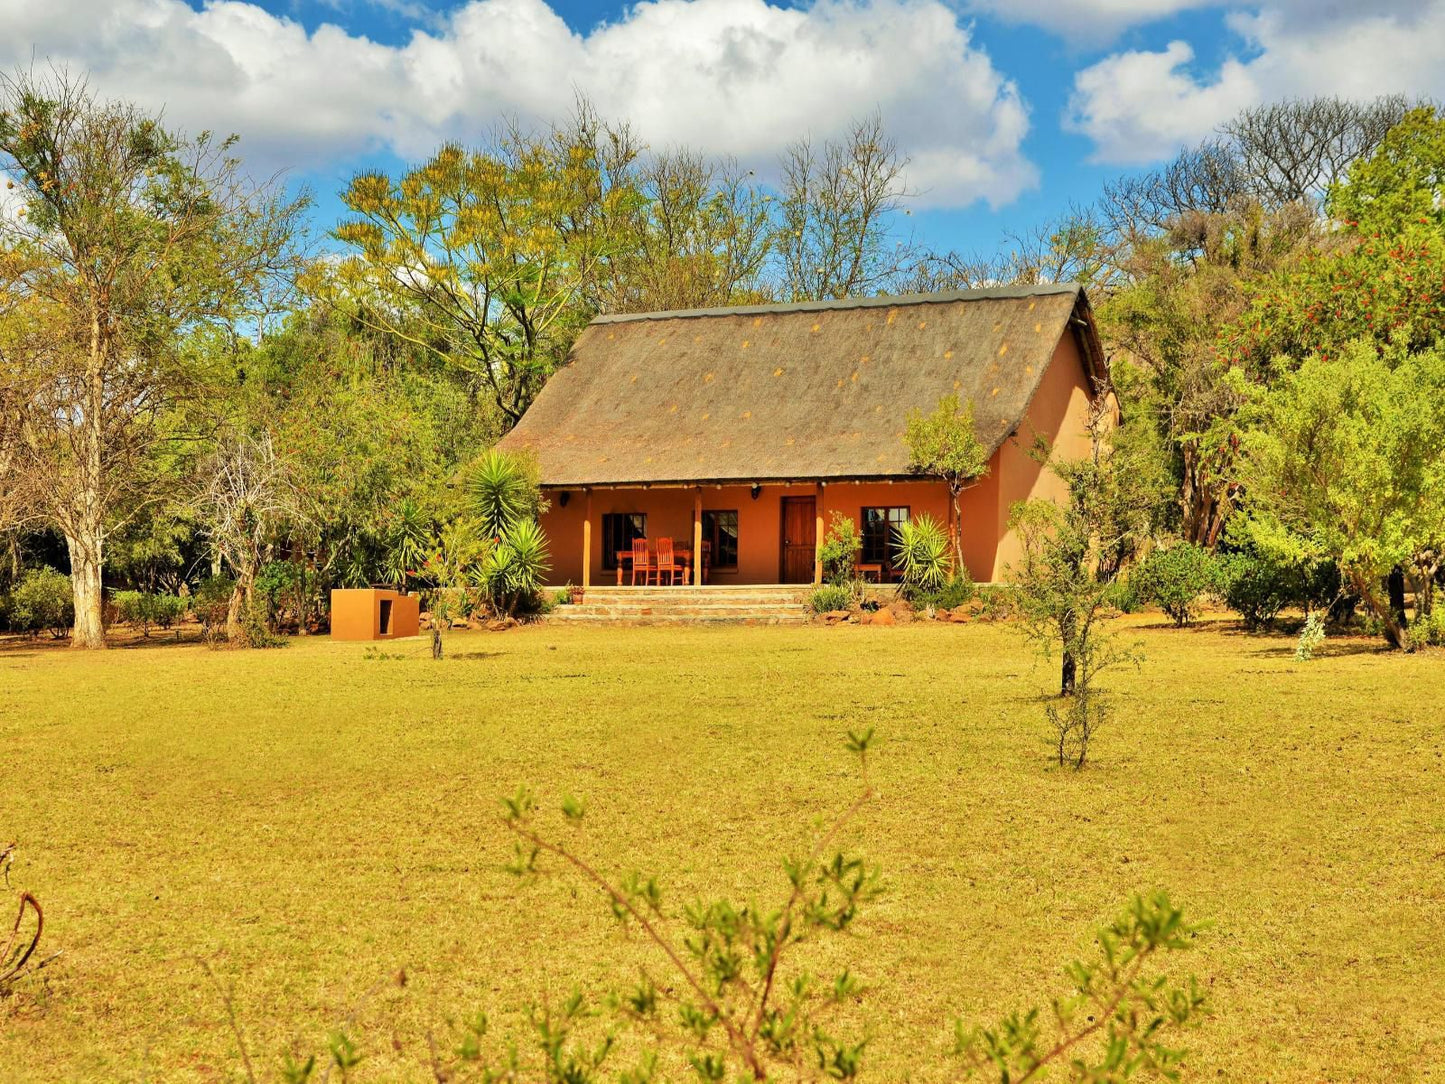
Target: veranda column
587, 540
818, 536
697, 537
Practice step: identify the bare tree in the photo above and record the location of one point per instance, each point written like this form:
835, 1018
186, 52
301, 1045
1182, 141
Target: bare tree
245, 497
1074, 247
1292, 151
129, 238
836, 209
701, 239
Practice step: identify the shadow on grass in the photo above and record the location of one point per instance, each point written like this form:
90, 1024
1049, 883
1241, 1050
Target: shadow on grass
1340, 649
476, 655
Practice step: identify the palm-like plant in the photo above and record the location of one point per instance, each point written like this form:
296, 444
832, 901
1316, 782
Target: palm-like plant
502, 491
921, 552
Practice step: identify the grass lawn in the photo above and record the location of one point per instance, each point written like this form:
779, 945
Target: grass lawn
311, 821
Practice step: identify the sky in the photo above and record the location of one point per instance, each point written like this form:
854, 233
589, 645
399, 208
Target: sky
1008, 110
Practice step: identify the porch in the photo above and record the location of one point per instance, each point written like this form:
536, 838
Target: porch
736, 535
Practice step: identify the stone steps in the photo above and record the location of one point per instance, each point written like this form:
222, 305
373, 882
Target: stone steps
759, 605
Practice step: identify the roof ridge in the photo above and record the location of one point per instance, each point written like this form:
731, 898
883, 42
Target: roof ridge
884, 301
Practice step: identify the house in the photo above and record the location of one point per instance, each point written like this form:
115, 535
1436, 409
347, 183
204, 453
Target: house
743, 430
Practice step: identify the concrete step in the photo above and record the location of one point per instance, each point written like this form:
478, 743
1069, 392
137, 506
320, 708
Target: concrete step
575, 617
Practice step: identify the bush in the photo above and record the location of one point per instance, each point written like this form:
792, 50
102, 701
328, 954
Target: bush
955, 591
42, 601
829, 597
1310, 637
1428, 630
142, 610
1257, 588
840, 549
1176, 580
999, 603
1123, 595
211, 603
921, 553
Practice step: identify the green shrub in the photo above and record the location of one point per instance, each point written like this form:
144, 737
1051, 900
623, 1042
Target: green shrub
1123, 595
1177, 579
999, 603
1257, 588
921, 553
1428, 629
42, 601
955, 591
1310, 637
211, 603
840, 549
829, 597
142, 610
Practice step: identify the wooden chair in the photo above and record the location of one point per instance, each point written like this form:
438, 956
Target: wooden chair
641, 562
667, 562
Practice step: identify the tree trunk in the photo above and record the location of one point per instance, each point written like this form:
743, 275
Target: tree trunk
955, 530
1396, 585
86, 589
1069, 675
436, 639
1393, 628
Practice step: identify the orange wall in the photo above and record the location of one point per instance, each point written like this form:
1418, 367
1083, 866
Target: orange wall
356, 614
1057, 414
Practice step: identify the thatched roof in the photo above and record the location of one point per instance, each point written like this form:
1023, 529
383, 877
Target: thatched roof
792, 392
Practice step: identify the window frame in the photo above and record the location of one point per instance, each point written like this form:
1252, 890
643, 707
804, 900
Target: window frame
609, 549
890, 525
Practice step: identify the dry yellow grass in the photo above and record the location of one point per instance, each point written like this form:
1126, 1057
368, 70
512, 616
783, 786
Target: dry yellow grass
311, 821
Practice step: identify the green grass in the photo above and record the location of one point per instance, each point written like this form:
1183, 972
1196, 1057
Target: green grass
312, 821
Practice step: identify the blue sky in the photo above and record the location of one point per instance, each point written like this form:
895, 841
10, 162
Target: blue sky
1010, 109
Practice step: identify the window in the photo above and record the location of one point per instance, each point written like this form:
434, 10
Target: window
618, 531
720, 531
880, 528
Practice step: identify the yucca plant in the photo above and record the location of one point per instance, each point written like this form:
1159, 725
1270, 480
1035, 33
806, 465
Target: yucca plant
515, 566
920, 553
502, 491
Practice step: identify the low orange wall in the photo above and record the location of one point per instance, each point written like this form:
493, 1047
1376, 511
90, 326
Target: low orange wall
356, 614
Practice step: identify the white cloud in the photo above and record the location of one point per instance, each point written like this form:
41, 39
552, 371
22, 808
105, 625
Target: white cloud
1140, 106
1090, 20
740, 77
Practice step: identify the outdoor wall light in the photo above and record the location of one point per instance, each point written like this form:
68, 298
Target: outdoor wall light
757, 491
563, 498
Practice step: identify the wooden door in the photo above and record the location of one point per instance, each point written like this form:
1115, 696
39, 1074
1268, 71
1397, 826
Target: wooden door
800, 539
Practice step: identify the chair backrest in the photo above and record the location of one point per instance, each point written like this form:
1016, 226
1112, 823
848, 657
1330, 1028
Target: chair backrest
639, 553
664, 552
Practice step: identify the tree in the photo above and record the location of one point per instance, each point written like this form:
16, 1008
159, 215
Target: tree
1294, 151
1347, 454
945, 445
131, 236
247, 495
1072, 550
701, 238
491, 259
835, 209
1164, 331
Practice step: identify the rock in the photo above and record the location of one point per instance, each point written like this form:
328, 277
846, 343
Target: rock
959, 616
502, 624
883, 617
832, 617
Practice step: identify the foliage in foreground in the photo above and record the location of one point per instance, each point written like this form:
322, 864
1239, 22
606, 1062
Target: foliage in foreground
735, 1000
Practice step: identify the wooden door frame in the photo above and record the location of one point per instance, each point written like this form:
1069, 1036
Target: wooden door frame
809, 498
